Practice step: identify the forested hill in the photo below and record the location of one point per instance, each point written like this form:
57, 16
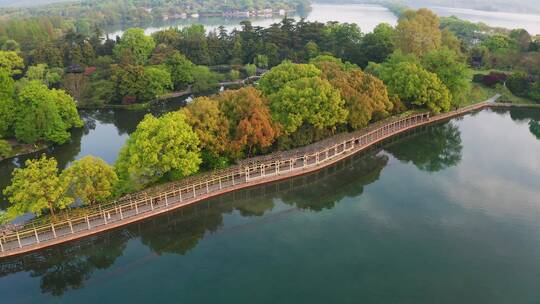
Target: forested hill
126, 12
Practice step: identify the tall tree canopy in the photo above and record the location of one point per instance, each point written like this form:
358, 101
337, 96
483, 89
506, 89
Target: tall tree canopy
89, 179
134, 47
248, 115
12, 62
36, 187
451, 70
417, 87
418, 32
43, 114
277, 77
365, 96
165, 146
7, 103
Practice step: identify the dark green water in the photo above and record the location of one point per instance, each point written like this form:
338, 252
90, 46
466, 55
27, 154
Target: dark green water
447, 215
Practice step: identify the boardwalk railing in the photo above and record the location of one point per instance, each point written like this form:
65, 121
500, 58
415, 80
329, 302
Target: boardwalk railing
174, 195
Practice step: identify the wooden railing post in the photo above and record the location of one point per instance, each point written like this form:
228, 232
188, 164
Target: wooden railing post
53, 230
36, 234
19, 239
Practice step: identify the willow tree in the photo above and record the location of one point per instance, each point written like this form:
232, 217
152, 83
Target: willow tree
36, 187
159, 147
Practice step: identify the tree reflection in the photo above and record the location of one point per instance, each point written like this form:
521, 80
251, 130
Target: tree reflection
331, 185
69, 266
532, 117
435, 150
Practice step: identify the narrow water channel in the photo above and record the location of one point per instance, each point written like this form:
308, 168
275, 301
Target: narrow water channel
447, 214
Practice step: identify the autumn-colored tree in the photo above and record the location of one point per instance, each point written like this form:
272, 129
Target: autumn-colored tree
208, 122
160, 147
36, 187
418, 32
365, 96
89, 179
252, 129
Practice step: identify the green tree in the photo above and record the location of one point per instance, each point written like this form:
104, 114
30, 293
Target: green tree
417, 87
366, 97
309, 100
451, 71
261, 61
279, 76
181, 70
379, 44
44, 114
418, 32
134, 45
7, 104
12, 62
165, 146
251, 69
35, 188
204, 79
158, 81
5, 149
89, 179
519, 84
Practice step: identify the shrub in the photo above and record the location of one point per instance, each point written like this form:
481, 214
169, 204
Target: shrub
519, 84
494, 78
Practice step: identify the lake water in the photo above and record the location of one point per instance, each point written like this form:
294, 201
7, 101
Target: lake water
529, 22
366, 16
446, 214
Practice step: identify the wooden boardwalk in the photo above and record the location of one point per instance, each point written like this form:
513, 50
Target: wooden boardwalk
249, 173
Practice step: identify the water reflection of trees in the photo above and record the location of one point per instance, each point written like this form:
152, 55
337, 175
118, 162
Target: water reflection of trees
347, 179
68, 266
529, 116
436, 149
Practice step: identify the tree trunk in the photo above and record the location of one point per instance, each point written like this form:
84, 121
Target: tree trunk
52, 209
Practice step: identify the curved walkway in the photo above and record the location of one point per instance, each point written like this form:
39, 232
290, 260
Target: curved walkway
249, 173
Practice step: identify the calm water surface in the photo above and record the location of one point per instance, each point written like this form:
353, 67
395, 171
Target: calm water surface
448, 214
366, 16
529, 22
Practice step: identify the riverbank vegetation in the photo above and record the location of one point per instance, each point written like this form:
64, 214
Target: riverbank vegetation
319, 80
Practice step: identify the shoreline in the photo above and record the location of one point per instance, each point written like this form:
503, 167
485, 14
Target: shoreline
252, 172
